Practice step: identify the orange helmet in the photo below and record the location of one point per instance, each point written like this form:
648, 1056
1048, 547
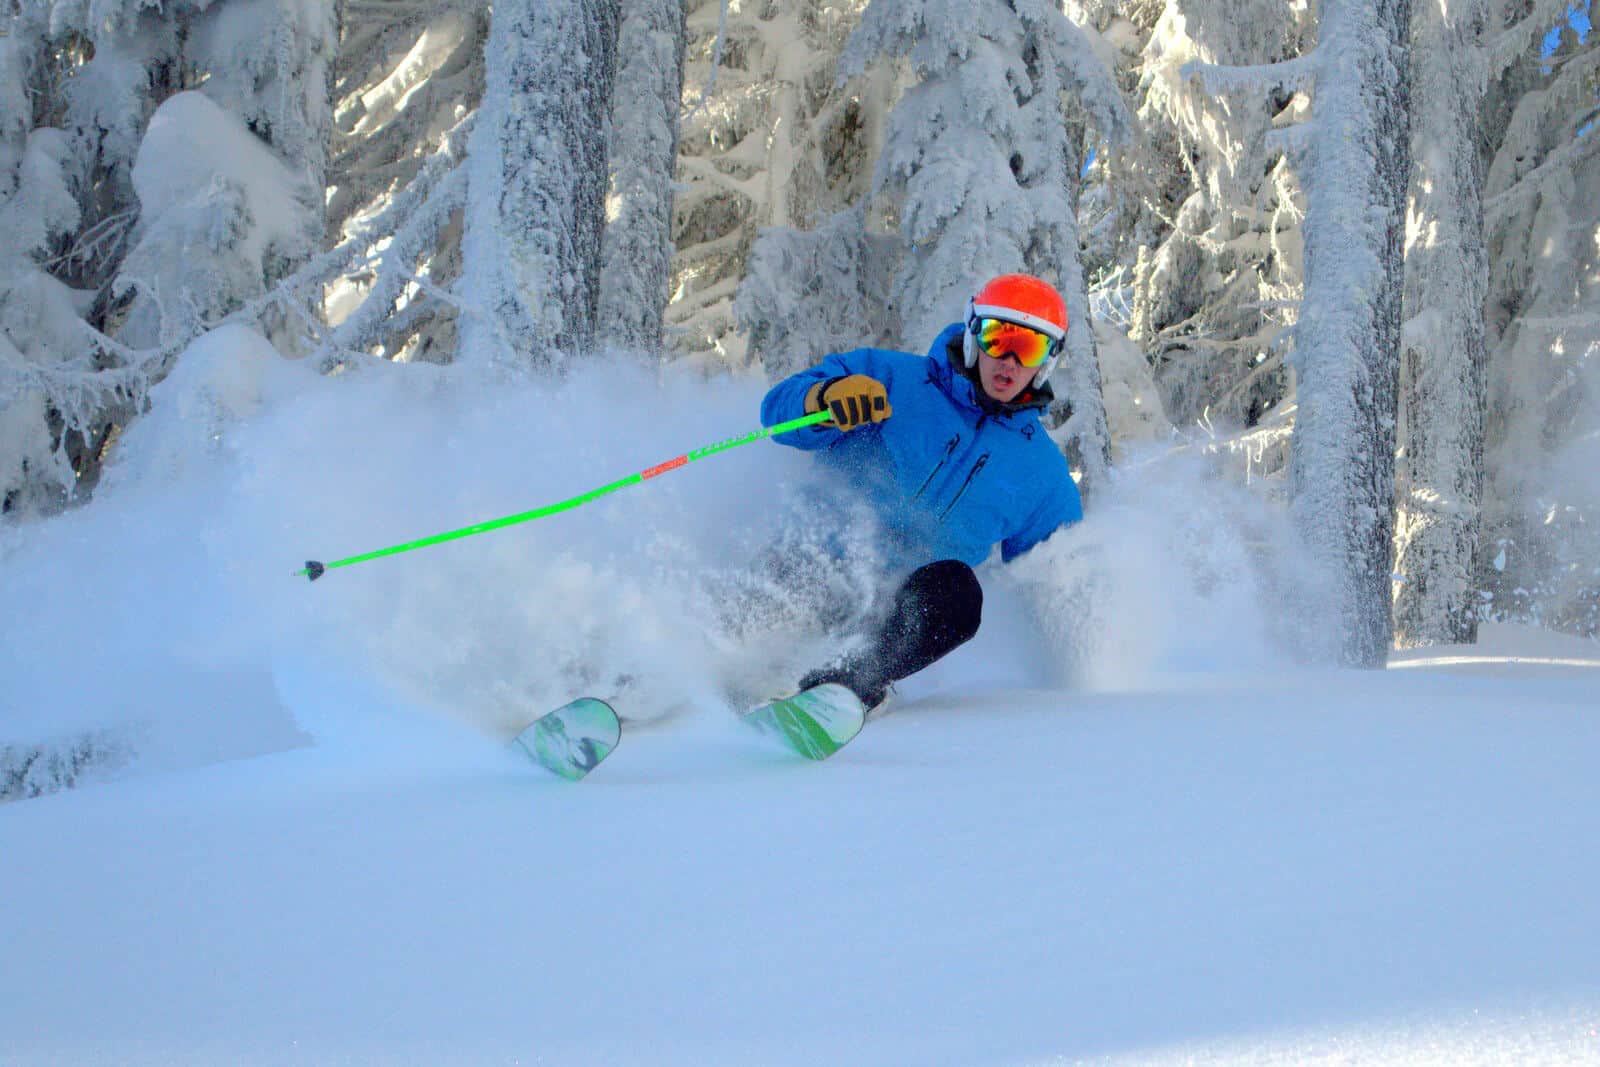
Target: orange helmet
1026, 301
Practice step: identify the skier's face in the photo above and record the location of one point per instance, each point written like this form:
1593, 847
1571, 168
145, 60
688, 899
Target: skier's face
1003, 377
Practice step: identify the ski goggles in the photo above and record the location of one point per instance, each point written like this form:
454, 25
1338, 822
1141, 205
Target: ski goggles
999, 338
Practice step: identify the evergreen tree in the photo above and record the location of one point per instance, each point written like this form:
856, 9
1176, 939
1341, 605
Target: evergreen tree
1352, 158
981, 166
1542, 319
772, 139
1347, 343
408, 81
221, 219
1440, 476
1216, 268
270, 64
807, 293
637, 246
39, 314
100, 299
537, 181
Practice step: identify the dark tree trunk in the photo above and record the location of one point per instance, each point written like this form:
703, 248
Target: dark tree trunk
1446, 354
536, 200
1348, 341
637, 263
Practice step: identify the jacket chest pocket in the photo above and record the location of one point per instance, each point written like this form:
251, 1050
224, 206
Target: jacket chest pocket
966, 484
924, 483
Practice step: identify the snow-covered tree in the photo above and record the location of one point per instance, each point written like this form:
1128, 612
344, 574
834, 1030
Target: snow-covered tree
538, 178
407, 81
219, 222
1440, 476
807, 293
270, 64
40, 327
116, 289
68, 127
637, 246
1347, 343
771, 138
35, 770
1215, 270
981, 164
1079, 412
265, 62
1538, 560
1352, 158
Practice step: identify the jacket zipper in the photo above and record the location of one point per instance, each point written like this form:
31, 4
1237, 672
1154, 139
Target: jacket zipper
949, 447
973, 473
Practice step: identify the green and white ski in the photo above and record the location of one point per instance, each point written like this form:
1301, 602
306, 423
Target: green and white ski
573, 739
815, 722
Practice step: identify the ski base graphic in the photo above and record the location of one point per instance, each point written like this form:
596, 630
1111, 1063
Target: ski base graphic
572, 740
815, 722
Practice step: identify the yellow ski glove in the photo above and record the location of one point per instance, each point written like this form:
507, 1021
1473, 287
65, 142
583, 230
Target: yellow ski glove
854, 400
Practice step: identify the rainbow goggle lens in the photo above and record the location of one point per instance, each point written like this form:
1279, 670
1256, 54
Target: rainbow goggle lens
999, 338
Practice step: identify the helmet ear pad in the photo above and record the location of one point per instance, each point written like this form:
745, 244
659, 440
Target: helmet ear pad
969, 338
1047, 366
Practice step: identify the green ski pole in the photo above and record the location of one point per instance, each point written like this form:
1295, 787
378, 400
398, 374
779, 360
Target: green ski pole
314, 570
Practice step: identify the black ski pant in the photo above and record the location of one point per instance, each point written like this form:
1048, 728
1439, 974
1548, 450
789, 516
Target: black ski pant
935, 611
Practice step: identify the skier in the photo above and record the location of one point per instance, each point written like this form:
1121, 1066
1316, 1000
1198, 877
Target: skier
950, 451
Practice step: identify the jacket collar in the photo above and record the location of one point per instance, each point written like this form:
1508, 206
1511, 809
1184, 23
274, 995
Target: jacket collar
963, 386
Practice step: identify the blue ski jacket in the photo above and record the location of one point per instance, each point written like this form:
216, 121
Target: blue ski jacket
951, 473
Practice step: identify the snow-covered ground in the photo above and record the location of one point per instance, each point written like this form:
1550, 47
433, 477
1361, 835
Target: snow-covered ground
1262, 868
1164, 843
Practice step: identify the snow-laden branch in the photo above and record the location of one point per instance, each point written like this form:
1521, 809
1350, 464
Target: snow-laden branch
701, 169
1082, 68
106, 239
1520, 39
1294, 75
396, 264
78, 388
1573, 84
710, 86
107, 372
1558, 165
323, 268
1228, 111
1294, 141
424, 304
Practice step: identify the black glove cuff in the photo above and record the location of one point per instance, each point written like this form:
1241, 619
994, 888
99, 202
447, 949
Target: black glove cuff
822, 394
